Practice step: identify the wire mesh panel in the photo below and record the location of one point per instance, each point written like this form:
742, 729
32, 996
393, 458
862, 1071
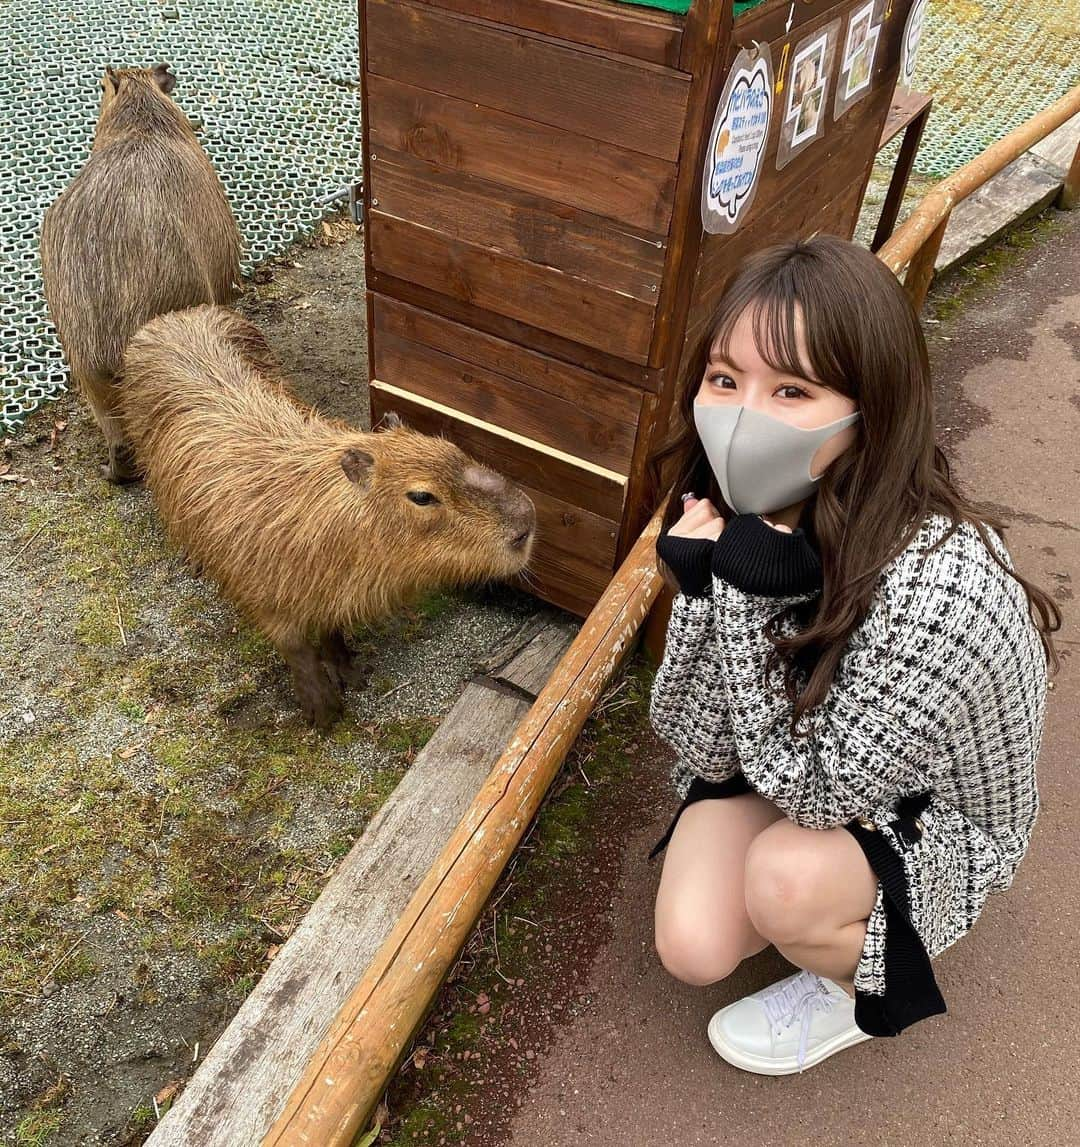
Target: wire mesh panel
991, 65
271, 86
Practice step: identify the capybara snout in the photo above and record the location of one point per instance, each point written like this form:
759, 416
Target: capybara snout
310, 526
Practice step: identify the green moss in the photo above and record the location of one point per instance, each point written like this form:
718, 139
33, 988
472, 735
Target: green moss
404, 735
963, 284
37, 1128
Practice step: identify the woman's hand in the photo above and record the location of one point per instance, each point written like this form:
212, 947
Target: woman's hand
700, 520
776, 525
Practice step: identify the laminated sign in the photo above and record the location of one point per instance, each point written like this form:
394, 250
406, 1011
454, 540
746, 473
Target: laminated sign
740, 130
909, 46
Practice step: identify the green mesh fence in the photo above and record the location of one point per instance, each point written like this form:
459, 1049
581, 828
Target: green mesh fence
991, 65
272, 86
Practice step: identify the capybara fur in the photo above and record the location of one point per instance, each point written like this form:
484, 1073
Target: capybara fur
142, 229
309, 526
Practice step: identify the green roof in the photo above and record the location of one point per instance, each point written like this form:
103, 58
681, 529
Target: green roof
683, 6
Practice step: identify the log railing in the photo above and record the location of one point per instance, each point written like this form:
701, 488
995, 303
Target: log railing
915, 244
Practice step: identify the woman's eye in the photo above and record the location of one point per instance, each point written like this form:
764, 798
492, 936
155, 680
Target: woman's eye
421, 497
724, 381
792, 392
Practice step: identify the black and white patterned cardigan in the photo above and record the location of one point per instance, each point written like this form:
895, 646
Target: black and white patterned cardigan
924, 747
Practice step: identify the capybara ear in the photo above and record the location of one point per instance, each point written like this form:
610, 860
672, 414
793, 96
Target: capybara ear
163, 78
391, 420
357, 465
110, 81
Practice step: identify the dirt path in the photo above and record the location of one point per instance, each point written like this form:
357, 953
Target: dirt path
592, 1042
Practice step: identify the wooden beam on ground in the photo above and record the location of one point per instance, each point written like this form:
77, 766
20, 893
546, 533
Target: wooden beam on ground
349, 1071
237, 1093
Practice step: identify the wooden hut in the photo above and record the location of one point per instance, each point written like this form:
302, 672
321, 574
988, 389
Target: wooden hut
538, 259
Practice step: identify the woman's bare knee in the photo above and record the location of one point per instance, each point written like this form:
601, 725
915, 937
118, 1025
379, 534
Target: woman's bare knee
783, 883
695, 958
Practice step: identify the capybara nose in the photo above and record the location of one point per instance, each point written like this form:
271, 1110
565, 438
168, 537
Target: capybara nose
522, 515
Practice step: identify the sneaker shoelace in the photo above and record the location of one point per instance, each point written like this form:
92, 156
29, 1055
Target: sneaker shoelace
794, 1001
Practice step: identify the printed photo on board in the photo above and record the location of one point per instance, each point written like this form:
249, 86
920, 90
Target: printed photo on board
862, 64
859, 50
807, 90
858, 32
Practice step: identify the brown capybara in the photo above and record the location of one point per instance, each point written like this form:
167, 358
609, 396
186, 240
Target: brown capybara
308, 525
142, 229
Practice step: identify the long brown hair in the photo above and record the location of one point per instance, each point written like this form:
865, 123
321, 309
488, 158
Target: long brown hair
863, 339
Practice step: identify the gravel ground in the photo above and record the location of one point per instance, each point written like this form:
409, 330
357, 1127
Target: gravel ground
165, 817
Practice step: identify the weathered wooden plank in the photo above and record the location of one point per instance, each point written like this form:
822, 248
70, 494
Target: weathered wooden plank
621, 101
1018, 191
521, 153
509, 403
648, 33
562, 304
594, 392
529, 463
241, 1086
537, 230
529, 339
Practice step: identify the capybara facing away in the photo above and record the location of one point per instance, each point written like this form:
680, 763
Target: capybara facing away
144, 228
309, 526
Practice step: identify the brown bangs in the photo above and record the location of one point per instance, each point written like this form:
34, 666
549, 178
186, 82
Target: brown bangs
776, 303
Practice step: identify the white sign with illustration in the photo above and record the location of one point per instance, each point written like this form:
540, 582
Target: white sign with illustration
807, 85
857, 61
909, 46
737, 143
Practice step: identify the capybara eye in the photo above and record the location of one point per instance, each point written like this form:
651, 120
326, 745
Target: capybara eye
422, 497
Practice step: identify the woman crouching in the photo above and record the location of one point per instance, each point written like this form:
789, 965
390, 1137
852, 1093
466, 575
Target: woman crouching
854, 678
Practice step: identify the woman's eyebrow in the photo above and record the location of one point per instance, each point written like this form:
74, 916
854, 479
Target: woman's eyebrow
716, 358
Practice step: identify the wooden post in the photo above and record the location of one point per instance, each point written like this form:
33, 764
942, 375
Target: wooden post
920, 271
1070, 193
350, 1070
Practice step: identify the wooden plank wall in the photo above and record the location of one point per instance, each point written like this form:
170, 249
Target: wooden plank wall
521, 181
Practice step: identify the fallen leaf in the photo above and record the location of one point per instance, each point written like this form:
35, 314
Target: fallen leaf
272, 951
128, 753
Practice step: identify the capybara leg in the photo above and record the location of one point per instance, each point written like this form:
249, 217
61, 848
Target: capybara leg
101, 394
319, 694
341, 663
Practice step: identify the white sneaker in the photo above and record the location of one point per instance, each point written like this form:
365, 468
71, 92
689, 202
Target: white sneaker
786, 1027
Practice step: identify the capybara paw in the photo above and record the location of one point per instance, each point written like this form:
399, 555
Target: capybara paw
338, 674
322, 702
121, 469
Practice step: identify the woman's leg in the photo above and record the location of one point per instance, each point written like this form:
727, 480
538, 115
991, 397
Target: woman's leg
810, 893
702, 929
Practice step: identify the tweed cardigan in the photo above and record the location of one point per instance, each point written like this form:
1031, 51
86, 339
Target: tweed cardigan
924, 747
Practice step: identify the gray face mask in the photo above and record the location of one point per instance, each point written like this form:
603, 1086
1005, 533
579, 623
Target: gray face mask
761, 462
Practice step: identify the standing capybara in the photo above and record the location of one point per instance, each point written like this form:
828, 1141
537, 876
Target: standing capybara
309, 525
143, 228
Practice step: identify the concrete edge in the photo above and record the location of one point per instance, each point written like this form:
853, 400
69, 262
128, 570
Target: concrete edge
1022, 189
